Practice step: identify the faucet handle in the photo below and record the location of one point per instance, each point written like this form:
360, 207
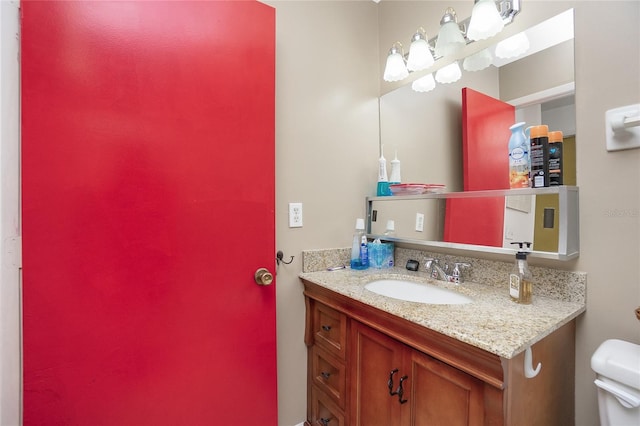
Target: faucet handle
456, 275
428, 261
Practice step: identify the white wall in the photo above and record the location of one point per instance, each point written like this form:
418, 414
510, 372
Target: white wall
10, 374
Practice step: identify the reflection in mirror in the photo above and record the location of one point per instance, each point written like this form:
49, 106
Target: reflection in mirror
425, 129
546, 218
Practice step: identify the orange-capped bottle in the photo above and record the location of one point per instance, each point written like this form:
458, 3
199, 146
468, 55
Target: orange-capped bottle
555, 158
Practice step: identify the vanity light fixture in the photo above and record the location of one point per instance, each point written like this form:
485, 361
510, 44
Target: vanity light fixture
485, 20
395, 69
450, 39
424, 84
449, 74
478, 61
420, 56
513, 46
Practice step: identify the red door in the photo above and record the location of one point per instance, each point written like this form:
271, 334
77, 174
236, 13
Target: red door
148, 204
485, 137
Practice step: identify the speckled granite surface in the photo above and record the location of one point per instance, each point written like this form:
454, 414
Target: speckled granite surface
492, 322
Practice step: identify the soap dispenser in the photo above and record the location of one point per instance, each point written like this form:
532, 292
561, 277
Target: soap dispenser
359, 248
520, 278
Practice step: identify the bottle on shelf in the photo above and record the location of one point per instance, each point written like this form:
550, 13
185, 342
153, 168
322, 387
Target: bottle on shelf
539, 156
383, 181
555, 158
519, 162
395, 171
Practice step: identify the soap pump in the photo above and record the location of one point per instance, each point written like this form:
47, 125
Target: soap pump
520, 279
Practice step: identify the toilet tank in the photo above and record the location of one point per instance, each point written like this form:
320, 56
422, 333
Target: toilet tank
617, 367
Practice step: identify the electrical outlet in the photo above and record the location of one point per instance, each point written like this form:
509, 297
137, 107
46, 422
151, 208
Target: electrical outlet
295, 215
419, 222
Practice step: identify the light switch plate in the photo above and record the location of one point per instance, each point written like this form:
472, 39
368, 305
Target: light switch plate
295, 215
419, 222
625, 138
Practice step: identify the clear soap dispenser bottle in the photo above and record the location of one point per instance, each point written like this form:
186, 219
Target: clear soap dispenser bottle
359, 248
520, 278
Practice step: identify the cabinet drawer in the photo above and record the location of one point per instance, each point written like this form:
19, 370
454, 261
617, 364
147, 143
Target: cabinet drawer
328, 374
324, 412
330, 329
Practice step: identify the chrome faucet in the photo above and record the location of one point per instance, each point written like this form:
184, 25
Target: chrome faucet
442, 273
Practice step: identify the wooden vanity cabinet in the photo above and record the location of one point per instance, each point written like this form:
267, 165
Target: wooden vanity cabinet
353, 348
394, 384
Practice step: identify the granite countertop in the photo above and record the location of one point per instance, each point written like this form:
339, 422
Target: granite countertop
491, 322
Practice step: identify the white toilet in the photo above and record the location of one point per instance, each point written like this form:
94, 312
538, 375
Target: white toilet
617, 367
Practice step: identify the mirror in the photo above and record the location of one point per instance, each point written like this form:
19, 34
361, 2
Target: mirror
548, 218
425, 131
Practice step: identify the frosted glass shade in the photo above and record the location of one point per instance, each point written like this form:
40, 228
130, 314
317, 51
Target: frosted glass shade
424, 84
449, 74
450, 40
395, 69
420, 56
513, 46
478, 61
485, 21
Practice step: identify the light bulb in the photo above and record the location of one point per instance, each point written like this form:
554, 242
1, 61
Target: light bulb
420, 56
424, 84
449, 74
450, 40
395, 69
485, 20
478, 61
513, 46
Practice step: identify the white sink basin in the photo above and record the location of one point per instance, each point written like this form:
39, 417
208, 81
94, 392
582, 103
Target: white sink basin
417, 292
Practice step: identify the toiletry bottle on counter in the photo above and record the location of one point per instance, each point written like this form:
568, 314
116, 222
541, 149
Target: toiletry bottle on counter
555, 158
395, 171
383, 180
539, 156
359, 249
520, 278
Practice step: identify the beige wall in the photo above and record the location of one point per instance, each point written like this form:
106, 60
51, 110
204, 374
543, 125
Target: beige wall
326, 153
327, 131
607, 76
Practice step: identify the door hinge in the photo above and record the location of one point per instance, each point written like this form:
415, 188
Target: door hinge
13, 253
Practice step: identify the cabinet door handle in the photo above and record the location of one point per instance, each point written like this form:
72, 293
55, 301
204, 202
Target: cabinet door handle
400, 390
390, 382
324, 421
325, 374
326, 327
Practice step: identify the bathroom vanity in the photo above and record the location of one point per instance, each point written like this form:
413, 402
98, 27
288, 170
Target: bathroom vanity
375, 360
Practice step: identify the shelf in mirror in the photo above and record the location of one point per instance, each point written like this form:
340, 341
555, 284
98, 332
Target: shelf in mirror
488, 221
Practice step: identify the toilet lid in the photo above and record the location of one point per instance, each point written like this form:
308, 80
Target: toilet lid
618, 360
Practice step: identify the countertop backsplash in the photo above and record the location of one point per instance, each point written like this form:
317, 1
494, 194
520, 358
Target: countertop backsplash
569, 286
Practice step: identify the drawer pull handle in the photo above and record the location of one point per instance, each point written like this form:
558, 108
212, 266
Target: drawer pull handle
400, 390
326, 327
390, 382
325, 375
324, 421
